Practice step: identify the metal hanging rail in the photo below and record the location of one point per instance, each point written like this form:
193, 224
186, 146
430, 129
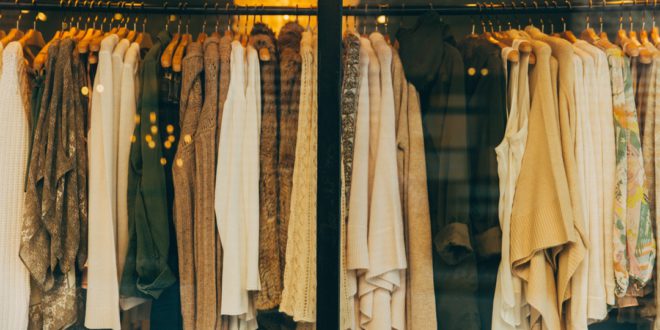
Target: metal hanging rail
165, 8
492, 8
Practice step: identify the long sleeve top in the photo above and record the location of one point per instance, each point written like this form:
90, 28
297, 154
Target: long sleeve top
15, 278
147, 272
230, 197
299, 294
102, 304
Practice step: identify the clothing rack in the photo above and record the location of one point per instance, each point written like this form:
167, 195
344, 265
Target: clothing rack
330, 13
478, 8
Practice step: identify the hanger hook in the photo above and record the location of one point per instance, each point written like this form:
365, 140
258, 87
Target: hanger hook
228, 17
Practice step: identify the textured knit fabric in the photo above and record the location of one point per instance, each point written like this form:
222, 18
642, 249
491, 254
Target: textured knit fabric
299, 294
437, 71
102, 309
382, 286
411, 165
183, 173
269, 256
351, 89
509, 310
130, 87
288, 44
147, 272
573, 253
15, 284
236, 189
539, 216
204, 218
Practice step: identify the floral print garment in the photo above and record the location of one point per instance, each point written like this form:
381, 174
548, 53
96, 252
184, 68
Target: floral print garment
633, 242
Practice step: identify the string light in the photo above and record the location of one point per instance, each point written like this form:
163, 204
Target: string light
381, 19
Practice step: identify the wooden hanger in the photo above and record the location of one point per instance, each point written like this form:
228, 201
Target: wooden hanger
14, 34
514, 55
144, 38
645, 56
33, 38
624, 42
177, 59
525, 47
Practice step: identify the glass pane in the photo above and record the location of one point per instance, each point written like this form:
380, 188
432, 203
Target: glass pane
523, 151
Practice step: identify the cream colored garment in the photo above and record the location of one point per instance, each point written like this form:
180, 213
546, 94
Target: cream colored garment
357, 249
382, 287
603, 113
596, 292
577, 309
129, 93
234, 195
117, 70
509, 308
299, 294
102, 305
14, 277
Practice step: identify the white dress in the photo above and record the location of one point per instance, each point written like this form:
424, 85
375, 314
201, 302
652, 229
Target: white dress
14, 277
102, 307
509, 309
234, 194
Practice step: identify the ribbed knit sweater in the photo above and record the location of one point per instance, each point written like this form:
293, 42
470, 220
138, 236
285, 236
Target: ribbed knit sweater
14, 279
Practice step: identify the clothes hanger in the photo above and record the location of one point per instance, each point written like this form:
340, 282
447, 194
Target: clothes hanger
15, 33
513, 56
645, 55
32, 39
216, 29
589, 34
83, 45
133, 33
244, 35
144, 38
228, 32
40, 59
567, 34
177, 59
264, 53
624, 42
95, 44
202, 35
168, 53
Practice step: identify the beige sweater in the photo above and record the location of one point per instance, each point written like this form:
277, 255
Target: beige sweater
542, 215
420, 297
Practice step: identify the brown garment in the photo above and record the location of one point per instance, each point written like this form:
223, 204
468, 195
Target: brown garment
420, 297
56, 205
183, 173
205, 150
269, 257
288, 44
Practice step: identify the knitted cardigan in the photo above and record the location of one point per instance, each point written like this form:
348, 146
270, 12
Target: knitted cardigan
183, 174
288, 44
269, 258
15, 283
299, 294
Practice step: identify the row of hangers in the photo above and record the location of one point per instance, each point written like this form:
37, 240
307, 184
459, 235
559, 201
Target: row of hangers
88, 38
644, 44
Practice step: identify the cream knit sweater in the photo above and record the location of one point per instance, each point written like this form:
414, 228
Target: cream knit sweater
14, 278
299, 294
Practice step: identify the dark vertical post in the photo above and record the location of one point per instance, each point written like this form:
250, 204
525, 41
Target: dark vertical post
329, 162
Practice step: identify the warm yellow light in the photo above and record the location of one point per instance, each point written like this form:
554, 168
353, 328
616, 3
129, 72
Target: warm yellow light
381, 19
286, 18
84, 90
25, 11
118, 16
42, 17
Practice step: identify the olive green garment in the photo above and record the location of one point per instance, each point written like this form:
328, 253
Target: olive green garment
146, 272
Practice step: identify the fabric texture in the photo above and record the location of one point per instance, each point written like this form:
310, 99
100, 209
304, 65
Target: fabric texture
299, 293
411, 165
288, 44
15, 277
263, 39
